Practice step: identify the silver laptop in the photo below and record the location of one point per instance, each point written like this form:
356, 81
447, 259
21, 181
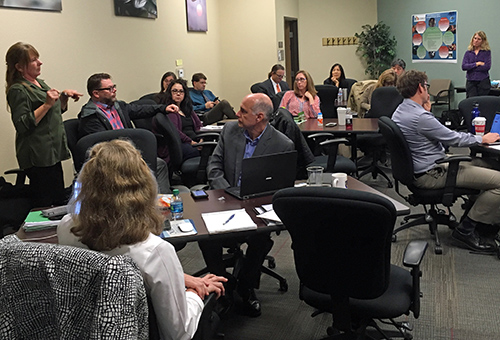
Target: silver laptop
264, 175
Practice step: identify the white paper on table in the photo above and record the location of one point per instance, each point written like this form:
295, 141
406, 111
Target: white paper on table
270, 215
496, 147
212, 128
216, 221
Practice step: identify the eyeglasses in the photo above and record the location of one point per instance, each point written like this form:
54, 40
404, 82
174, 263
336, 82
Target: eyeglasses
279, 76
426, 85
177, 91
298, 80
110, 89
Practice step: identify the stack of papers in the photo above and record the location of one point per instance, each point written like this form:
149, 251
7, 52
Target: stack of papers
36, 221
267, 213
228, 221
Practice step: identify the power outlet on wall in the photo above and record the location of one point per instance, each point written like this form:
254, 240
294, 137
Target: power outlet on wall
180, 72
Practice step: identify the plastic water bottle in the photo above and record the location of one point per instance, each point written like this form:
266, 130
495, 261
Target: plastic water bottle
474, 114
320, 119
177, 207
339, 97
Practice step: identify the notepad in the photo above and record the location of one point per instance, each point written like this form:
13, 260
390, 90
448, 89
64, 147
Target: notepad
36, 221
220, 222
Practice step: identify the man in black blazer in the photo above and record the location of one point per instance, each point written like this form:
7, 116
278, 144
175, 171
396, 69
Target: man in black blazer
250, 136
275, 87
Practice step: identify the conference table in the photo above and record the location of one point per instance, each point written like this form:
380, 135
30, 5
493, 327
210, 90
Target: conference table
219, 200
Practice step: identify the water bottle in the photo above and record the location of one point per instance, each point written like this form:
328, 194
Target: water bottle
474, 114
339, 97
320, 119
177, 206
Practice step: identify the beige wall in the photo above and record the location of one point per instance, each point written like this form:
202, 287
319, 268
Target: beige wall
332, 18
86, 37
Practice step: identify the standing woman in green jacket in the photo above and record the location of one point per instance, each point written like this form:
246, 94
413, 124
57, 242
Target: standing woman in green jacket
36, 112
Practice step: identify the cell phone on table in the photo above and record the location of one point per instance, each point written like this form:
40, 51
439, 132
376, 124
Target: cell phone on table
197, 194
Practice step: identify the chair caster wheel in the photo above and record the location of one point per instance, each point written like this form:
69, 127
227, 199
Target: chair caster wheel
438, 250
283, 286
394, 238
271, 263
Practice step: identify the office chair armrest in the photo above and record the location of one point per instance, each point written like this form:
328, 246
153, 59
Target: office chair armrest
414, 253
320, 134
454, 159
334, 141
213, 136
21, 176
451, 177
209, 143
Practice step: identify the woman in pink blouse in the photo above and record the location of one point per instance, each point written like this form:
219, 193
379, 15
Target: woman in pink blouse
303, 98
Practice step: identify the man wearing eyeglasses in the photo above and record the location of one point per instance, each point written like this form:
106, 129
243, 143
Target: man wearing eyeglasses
104, 112
426, 138
206, 105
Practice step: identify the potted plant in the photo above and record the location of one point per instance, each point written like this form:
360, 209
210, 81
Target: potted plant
377, 48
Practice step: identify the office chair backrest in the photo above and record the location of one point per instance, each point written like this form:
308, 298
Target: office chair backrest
172, 139
143, 140
385, 100
60, 292
401, 160
341, 239
257, 88
439, 88
350, 83
327, 95
71, 129
488, 105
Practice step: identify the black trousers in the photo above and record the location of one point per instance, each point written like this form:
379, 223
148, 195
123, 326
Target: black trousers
46, 185
259, 246
478, 88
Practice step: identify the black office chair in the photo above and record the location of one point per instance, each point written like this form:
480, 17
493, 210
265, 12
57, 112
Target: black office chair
15, 201
350, 83
402, 171
276, 99
282, 121
327, 95
384, 102
342, 252
440, 92
327, 146
143, 140
193, 170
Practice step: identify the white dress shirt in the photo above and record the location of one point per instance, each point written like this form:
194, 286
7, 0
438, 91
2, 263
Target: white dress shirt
177, 311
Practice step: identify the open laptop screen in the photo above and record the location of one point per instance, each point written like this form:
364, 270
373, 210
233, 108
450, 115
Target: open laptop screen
495, 127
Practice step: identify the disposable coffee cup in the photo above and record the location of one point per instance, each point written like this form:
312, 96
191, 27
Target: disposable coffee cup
341, 115
479, 124
315, 175
339, 180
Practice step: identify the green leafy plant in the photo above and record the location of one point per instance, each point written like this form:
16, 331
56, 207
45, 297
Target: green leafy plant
377, 48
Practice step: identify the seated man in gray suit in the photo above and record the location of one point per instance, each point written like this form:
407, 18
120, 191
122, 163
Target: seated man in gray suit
250, 136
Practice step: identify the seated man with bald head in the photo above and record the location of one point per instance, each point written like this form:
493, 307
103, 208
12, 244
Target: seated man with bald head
250, 136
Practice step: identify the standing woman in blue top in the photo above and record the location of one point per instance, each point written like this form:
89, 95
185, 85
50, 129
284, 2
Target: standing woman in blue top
477, 63
36, 113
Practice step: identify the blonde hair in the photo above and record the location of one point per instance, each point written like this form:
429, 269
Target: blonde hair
485, 45
117, 198
387, 78
310, 84
18, 54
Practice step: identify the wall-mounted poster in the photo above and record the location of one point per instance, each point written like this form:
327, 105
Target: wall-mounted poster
48, 5
434, 37
136, 8
196, 11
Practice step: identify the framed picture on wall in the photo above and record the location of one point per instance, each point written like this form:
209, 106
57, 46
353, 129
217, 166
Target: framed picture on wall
136, 8
196, 11
46, 5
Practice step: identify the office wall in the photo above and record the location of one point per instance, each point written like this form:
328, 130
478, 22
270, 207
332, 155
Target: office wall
472, 16
86, 37
284, 9
332, 18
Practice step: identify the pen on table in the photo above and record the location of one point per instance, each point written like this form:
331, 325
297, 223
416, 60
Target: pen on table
229, 219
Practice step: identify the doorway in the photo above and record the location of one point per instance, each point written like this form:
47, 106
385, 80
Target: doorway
291, 49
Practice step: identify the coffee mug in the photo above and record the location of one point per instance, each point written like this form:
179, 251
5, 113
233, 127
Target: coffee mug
341, 115
315, 175
339, 180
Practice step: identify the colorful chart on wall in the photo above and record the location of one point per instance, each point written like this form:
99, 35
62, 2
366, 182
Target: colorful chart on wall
434, 37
